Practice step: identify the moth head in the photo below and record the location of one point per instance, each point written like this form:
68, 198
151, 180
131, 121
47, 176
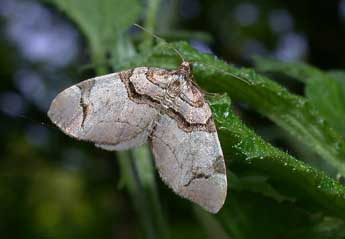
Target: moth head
180, 78
186, 87
186, 69
184, 75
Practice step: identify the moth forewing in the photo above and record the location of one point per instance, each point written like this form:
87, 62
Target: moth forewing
123, 110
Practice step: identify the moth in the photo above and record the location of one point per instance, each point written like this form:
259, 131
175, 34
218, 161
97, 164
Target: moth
123, 110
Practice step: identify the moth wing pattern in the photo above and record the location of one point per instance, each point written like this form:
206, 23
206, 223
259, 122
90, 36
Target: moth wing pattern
99, 110
123, 110
191, 163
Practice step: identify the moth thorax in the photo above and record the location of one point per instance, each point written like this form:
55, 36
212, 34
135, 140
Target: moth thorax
174, 88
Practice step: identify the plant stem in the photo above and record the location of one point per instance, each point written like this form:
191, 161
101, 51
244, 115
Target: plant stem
138, 177
150, 23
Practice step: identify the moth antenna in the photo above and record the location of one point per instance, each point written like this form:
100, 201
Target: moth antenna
240, 78
159, 38
180, 55
232, 75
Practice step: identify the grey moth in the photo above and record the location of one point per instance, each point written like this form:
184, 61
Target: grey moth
123, 110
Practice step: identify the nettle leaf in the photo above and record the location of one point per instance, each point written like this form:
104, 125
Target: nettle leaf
286, 174
242, 147
328, 97
255, 209
249, 215
100, 21
298, 70
325, 90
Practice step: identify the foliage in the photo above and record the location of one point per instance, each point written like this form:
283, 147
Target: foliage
102, 22
271, 193
325, 90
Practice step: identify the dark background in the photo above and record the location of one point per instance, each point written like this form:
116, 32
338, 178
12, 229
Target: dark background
54, 186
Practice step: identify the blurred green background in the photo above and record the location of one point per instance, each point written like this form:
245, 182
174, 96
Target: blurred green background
52, 186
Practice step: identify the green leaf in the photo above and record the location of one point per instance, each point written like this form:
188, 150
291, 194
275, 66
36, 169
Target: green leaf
324, 90
337, 75
297, 70
122, 51
257, 184
100, 21
242, 147
328, 97
256, 215
286, 174
250, 215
